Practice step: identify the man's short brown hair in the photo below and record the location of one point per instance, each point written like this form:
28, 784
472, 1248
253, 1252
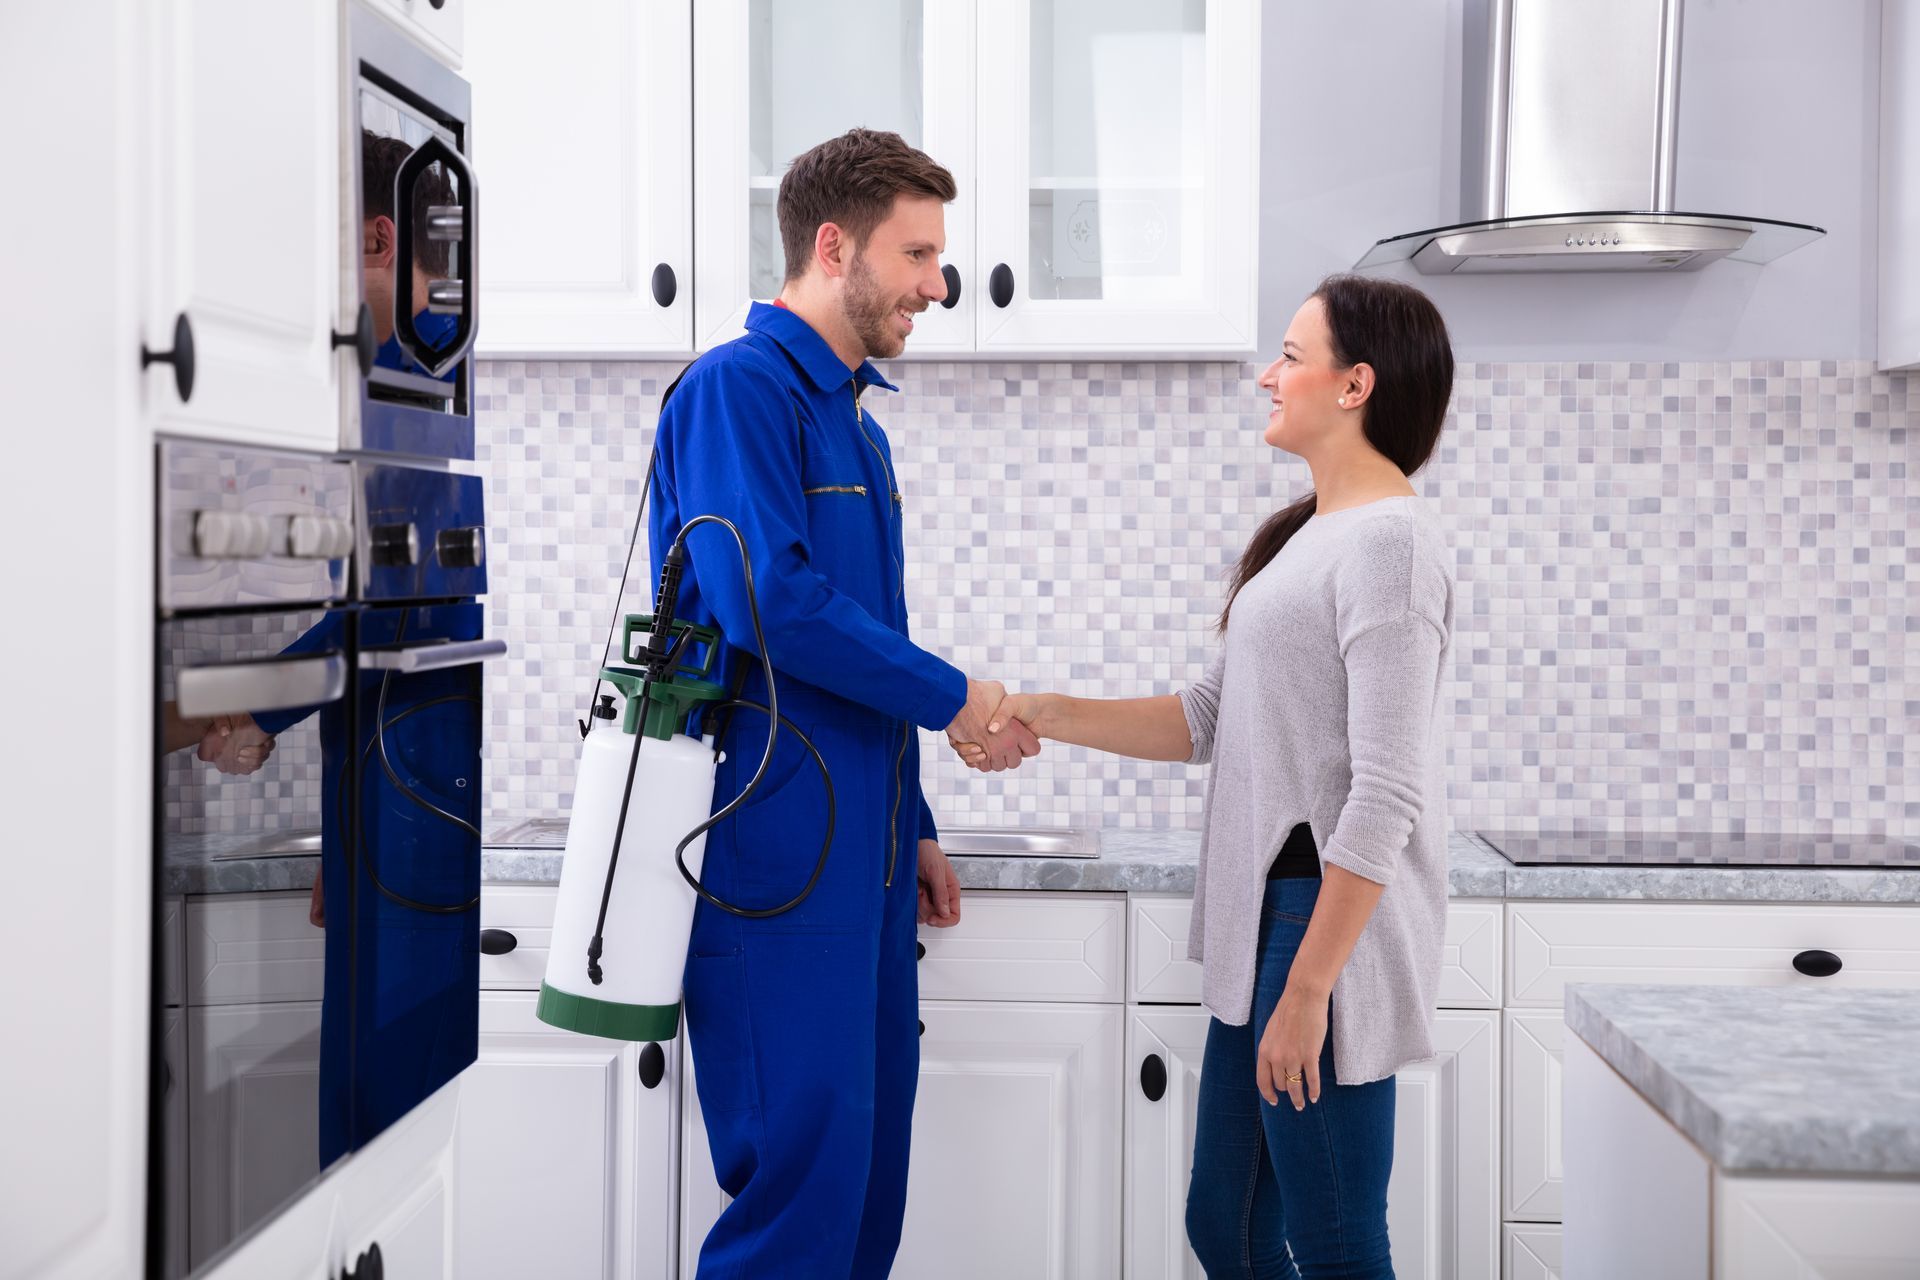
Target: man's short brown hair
851, 181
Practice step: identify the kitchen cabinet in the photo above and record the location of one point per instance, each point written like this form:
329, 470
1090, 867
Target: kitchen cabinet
1899, 268
1443, 1200
582, 138
245, 266
775, 79
1118, 146
438, 26
608, 1207
1106, 156
1531, 1252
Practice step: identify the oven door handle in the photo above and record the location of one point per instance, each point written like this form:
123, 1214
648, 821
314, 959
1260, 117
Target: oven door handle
415, 658
276, 684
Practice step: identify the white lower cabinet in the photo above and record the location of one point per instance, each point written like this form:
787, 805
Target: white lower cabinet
1160, 1137
1532, 1251
607, 1207
1017, 1127
1534, 1066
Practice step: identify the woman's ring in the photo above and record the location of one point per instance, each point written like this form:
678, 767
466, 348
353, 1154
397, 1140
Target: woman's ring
1294, 1078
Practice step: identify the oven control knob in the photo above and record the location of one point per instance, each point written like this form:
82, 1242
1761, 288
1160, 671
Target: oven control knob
395, 545
460, 548
231, 535
319, 538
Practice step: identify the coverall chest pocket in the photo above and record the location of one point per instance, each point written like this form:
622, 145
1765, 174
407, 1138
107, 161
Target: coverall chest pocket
845, 522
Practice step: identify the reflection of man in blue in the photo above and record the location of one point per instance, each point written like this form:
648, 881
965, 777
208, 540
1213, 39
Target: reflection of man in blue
380, 160
399, 883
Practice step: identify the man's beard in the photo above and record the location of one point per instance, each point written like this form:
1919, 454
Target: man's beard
871, 313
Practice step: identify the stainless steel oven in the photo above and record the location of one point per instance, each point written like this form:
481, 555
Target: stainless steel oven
411, 257
319, 651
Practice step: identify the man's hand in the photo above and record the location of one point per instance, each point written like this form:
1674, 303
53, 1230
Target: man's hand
1004, 749
235, 744
939, 888
1016, 710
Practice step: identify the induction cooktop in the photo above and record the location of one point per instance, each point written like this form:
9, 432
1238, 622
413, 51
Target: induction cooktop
1704, 849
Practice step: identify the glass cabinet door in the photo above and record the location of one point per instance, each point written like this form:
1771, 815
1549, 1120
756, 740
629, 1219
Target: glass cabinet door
777, 77
1118, 175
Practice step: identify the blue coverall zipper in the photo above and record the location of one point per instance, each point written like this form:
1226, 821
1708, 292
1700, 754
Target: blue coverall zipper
900, 573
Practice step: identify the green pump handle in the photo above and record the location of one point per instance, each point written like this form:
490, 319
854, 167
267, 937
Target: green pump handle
686, 684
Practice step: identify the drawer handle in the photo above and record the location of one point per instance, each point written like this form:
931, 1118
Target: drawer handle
181, 357
1153, 1078
952, 277
653, 1065
1000, 285
665, 287
923, 1028
921, 951
1817, 964
497, 942
369, 1266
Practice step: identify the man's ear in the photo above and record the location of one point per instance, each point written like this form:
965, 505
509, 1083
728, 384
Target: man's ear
832, 249
377, 240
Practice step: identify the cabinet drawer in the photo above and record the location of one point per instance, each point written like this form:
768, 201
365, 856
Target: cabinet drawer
1022, 946
1550, 944
526, 912
1159, 972
253, 948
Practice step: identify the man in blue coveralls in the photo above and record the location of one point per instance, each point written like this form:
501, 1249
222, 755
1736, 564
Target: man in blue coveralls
804, 1026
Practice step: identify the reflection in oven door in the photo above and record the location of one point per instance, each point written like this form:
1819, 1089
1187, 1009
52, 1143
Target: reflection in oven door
411, 873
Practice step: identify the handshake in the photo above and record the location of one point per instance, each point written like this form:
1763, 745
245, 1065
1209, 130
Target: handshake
994, 730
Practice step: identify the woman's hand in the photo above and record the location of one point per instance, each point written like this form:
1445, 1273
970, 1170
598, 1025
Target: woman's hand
1291, 1046
1027, 708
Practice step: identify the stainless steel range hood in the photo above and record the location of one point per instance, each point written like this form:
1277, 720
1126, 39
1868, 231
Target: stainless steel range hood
1568, 121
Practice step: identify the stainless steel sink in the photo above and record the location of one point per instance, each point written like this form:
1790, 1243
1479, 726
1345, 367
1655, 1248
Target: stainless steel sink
274, 844
1021, 842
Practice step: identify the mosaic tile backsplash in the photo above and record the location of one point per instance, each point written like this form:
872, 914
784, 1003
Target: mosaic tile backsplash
1687, 591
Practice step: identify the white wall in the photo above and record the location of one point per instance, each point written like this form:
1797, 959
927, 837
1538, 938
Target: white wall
1778, 109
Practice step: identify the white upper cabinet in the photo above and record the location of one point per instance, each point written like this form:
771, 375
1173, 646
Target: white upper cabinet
438, 26
243, 254
778, 77
1118, 171
1899, 187
582, 135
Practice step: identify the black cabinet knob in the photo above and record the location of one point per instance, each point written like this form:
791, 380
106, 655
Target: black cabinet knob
360, 338
653, 1065
920, 951
369, 1266
1000, 285
923, 1028
1817, 964
497, 942
665, 287
1153, 1078
181, 357
952, 276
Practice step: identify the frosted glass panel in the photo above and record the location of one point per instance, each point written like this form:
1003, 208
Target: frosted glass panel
817, 69
1117, 194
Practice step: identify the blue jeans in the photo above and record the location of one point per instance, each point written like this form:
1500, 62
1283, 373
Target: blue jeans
1278, 1192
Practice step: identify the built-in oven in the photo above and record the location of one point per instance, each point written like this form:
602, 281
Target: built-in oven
319, 650
411, 257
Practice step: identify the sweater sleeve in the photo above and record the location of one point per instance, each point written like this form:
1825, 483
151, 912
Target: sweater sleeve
1393, 674
1201, 703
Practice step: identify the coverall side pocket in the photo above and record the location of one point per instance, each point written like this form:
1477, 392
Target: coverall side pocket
719, 1029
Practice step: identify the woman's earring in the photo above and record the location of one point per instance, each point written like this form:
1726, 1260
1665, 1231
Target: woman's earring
1343, 402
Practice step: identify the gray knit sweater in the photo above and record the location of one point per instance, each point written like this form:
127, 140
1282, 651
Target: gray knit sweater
1324, 708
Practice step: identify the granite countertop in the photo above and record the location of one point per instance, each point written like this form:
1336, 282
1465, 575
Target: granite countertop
1138, 861
1769, 1079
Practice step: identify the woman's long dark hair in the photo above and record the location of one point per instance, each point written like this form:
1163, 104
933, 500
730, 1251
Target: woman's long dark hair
1395, 328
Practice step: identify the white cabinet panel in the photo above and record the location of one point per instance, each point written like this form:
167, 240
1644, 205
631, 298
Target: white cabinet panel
1443, 1200
254, 1089
253, 948
399, 1190
438, 26
243, 218
777, 79
1017, 1124
1533, 1046
1016, 946
526, 912
567, 1162
1118, 185
582, 135
175, 1075
1470, 962
1550, 944
1899, 290
1159, 1139
1795, 1228
1532, 1252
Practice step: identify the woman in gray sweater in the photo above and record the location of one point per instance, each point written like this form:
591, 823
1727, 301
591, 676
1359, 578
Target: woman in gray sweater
1322, 893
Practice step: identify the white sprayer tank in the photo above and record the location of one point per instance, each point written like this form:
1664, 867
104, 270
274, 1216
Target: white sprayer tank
650, 913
